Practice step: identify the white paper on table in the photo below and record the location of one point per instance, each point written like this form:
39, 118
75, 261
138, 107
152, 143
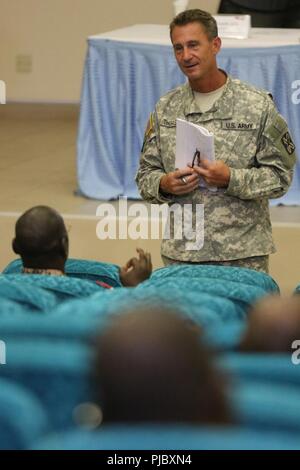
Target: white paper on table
189, 138
233, 26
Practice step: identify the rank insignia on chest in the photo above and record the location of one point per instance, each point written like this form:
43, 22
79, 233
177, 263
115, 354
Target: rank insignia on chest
288, 143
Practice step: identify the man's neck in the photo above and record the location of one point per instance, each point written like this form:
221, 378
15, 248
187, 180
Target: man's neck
210, 83
48, 272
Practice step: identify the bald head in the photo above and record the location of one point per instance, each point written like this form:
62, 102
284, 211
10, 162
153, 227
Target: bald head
41, 238
274, 323
151, 366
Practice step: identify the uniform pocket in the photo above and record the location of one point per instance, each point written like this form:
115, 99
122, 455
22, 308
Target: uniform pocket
236, 144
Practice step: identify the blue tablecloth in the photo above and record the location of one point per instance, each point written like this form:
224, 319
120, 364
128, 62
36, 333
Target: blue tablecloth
123, 81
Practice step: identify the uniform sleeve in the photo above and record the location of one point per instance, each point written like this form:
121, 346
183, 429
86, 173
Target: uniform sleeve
151, 167
272, 175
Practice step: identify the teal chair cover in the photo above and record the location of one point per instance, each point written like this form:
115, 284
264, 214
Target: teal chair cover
168, 438
242, 295
202, 308
271, 368
9, 308
56, 372
224, 337
63, 287
22, 417
51, 326
29, 296
94, 271
225, 273
81, 268
80, 319
14, 267
273, 407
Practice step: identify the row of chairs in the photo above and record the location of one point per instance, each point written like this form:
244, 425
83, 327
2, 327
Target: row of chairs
50, 355
59, 378
168, 438
188, 288
24, 425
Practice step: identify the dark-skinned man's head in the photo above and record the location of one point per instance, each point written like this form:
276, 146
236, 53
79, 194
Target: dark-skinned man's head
152, 367
273, 325
41, 239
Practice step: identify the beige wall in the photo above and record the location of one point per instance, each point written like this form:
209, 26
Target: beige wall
54, 33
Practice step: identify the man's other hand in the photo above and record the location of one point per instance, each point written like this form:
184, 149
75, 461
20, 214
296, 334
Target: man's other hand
214, 173
179, 182
136, 270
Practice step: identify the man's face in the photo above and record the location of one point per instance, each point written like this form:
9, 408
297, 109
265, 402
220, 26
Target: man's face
194, 51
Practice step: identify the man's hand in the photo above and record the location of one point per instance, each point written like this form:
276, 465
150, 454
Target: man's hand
136, 270
215, 174
179, 182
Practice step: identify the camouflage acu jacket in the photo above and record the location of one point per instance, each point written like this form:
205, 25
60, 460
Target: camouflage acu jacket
252, 138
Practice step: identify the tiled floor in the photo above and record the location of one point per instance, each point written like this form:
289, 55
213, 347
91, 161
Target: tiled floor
38, 166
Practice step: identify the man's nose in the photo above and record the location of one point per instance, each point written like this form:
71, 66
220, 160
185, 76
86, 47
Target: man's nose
186, 54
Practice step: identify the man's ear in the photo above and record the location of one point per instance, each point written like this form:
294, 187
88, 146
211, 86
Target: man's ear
65, 246
15, 246
217, 43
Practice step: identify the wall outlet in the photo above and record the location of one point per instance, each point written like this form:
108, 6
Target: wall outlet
23, 63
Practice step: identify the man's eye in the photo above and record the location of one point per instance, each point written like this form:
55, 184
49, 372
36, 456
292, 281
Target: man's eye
177, 48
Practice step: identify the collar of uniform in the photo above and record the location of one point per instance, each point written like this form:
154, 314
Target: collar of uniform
222, 109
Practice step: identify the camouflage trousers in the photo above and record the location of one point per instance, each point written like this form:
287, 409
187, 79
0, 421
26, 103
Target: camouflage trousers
259, 263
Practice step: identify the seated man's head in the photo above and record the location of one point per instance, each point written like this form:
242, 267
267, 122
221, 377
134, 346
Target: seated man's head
152, 367
41, 239
273, 325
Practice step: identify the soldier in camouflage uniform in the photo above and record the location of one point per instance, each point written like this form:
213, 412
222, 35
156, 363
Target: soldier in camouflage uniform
254, 154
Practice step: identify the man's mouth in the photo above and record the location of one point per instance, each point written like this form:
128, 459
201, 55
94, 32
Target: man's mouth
190, 66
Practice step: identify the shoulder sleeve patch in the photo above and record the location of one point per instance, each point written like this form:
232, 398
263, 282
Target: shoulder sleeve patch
279, 140
288, 143
277, 128
149, 132
150, 127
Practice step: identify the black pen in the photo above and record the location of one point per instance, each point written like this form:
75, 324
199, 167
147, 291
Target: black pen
196, 157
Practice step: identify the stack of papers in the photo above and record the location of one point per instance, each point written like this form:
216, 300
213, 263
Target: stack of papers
192, 139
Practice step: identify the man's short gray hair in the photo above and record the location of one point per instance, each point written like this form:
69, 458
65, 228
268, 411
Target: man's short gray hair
196, 16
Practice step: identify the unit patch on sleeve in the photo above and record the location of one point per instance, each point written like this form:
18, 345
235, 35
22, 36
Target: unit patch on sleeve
288, 143
149, 131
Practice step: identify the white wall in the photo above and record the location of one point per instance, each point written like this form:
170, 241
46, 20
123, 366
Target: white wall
54, 32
